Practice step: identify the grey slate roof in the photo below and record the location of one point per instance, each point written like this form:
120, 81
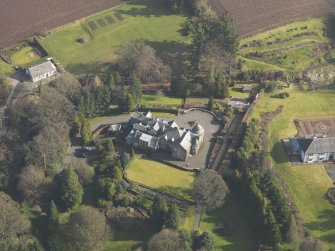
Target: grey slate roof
247, 87
321, 145
41, 69
185, 143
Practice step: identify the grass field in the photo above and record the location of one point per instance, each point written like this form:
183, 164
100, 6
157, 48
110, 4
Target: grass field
241, 238
292, 47
141, 22
160, 100
161, 176
127, 241
188, 220
308, 183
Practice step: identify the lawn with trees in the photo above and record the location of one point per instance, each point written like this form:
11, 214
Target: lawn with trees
160, 176
309, 183
230, 231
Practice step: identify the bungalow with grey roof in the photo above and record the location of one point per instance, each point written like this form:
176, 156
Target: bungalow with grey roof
41, 71
313, 150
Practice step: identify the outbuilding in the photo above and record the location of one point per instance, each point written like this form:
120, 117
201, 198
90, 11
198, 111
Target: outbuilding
247, 88
41, 71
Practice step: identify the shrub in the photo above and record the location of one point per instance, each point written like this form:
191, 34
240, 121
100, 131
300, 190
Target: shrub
331, 195
282, 95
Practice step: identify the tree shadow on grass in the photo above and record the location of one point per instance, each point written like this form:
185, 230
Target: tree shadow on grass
330, 27
326, 222
152, 8
179, 192
97, 68
230, 215
172, 53
278, 153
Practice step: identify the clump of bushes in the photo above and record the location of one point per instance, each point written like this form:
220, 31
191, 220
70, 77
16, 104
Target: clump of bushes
282, 95
331, 195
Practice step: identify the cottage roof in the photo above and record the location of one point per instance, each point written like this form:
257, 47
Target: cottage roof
173, 124
304, 143
148, 114
247, 87
321, 145
41, 69
145, 137
186, 141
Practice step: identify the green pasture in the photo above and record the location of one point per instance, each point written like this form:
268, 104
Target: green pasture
251, 64
150, 23
148, 99
127, 241
308, 183
241, 237
315, 28
293, 47
160, 176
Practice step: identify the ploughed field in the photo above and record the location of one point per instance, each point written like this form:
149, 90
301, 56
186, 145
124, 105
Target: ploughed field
22, 19
254, 16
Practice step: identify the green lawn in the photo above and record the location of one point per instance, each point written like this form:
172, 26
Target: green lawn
127, 241
250, 64
160, 176
188, 220
308, 183
25, 55
241, 238
141, 22
290, 46
160, 100
315, 25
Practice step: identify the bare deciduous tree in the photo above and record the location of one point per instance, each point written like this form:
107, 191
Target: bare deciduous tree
209, 189
168, 240
33, 185
87, 228
311, 244
142, 60
12, 223
85, 172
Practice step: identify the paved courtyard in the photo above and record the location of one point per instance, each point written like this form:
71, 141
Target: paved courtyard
211, 126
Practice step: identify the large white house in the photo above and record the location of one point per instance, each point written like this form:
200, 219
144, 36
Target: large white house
313, 150
41, 71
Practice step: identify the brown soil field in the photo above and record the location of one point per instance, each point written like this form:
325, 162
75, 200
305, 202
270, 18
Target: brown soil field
254, 16
22, 19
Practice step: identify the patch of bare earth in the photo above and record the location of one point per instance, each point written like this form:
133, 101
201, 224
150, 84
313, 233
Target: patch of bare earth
254, 16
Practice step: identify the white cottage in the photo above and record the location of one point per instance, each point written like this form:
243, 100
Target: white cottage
41, 71
313, 150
